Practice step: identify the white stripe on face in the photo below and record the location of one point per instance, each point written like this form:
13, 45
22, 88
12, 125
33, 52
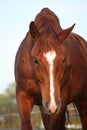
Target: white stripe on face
50, 56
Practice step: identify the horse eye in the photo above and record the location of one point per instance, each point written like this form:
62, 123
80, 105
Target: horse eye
64, 62
35, 61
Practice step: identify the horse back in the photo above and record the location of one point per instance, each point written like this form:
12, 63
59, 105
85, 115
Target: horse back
81, 42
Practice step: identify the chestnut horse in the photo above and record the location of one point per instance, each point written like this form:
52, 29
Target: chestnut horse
51, 72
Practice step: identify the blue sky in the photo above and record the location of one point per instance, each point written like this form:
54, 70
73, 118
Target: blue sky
15, 16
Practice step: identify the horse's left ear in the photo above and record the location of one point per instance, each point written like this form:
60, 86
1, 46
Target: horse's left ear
33, 30
64, 33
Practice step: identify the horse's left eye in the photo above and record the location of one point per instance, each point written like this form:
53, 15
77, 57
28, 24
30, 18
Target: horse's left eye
35, 61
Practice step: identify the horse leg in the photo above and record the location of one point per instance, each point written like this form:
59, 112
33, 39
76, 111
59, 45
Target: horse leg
82, 109
57, 122
25, 105
53, 122
45, 118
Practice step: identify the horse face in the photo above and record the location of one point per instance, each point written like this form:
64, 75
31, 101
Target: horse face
45, 72
49, 70
49, 65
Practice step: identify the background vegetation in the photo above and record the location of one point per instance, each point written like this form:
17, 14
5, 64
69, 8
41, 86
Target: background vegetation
9, 117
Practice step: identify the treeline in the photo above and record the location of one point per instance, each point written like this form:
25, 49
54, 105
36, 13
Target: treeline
8, 108
9, 117
8, 103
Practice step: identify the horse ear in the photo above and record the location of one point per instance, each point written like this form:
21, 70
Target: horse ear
33, 30
64, 33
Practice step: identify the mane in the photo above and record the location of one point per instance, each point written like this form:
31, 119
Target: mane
46, 42
48, 26
46, 16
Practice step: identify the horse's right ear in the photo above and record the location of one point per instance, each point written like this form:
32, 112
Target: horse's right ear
33, 30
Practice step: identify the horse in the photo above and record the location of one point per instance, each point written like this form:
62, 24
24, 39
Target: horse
51, 72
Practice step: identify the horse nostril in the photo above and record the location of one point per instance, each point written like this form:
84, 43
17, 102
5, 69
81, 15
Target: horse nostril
47, 105
59, 105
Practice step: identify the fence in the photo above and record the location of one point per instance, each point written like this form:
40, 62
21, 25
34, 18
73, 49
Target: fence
12, 122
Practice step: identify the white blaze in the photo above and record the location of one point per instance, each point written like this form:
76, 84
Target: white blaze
50, 56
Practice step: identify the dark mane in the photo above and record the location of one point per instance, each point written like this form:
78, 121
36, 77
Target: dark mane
47, 16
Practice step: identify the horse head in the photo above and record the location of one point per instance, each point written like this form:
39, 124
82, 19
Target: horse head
50, 64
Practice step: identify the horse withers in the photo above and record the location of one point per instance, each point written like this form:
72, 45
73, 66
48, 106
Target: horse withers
51, 72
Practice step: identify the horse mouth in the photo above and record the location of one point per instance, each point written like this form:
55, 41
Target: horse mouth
52, 108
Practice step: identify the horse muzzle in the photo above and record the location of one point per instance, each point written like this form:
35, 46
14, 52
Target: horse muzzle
52, 108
